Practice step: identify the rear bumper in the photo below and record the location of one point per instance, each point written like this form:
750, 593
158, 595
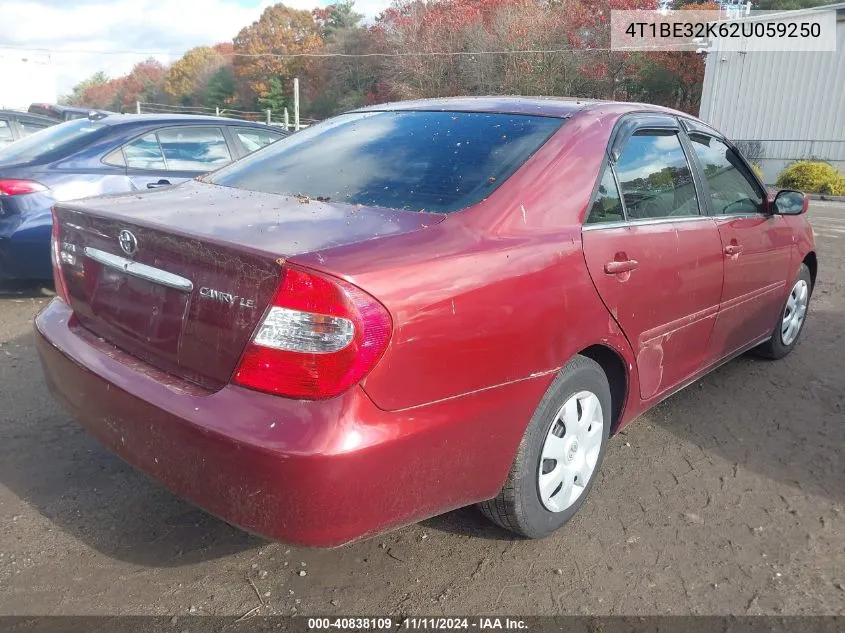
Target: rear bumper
313, 473
25, 237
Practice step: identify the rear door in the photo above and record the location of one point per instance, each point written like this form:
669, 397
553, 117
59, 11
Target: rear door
171, 155
654, 255
757, 247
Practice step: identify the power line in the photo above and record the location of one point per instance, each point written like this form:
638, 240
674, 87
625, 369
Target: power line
538, 51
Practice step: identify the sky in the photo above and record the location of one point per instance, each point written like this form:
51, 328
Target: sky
103, 28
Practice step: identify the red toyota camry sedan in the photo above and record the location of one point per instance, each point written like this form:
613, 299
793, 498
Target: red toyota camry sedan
416, 307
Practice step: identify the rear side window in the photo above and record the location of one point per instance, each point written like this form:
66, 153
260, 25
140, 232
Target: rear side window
607, 205
198, 148
732, 190
655, 177
143, 153
413, 160
30, 127
255, 138
5, 133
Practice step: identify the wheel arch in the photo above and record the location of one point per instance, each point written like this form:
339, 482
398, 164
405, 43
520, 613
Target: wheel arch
812, 263
615, 368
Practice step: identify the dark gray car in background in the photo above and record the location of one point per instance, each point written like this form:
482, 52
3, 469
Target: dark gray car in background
15, 125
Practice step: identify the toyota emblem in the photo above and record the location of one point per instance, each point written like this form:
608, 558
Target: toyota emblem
128, 242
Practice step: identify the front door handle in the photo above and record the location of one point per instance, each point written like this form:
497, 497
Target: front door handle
160, 183
615, 267
733, 249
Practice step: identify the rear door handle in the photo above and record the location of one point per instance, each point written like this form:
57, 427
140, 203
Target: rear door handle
733, 249
160, 183
615, 268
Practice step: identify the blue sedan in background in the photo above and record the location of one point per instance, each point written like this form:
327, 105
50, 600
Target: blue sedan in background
101, 155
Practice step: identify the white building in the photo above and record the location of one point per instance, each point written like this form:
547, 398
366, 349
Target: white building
778, 106
26, 78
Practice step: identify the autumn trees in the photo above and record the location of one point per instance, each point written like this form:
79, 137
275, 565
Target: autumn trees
552, 47
187, 79
415, 48
143, 83
280, 31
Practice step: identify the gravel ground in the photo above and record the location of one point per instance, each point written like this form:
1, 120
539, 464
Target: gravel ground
726, 499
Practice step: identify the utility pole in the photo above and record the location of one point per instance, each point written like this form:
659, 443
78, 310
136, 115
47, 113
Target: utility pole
287, 120
137, 107
296, 104
268, 116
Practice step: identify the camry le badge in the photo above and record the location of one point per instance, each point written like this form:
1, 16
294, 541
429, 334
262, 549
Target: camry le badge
226, 297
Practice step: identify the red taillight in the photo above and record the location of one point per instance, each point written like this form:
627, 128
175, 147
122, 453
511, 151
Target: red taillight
319, 337
55, 249
15, 187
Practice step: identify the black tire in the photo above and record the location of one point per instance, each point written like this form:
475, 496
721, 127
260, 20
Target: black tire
775, 348
518, 507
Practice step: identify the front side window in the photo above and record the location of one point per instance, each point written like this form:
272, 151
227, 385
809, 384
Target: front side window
655, 177
411, 160
732, 190
254, 138
607, 204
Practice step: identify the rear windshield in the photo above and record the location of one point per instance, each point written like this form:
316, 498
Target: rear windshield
52, 142
418, 161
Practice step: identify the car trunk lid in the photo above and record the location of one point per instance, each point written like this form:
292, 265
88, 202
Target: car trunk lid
181, 278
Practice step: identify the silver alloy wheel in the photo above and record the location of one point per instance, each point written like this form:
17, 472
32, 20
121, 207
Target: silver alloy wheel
571, 451
795, 311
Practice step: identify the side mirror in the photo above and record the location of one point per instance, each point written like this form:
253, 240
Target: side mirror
790, 202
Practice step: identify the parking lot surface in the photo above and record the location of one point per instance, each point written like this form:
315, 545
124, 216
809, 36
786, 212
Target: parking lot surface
726, 499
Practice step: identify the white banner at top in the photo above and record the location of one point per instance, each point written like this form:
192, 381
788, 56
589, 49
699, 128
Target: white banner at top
701, 31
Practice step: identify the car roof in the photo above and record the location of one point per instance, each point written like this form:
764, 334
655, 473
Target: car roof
27, 115
543, 106
562, 107
120, 119
63, 108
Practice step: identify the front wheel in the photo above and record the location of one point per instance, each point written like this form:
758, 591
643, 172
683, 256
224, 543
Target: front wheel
791, 320
560, 454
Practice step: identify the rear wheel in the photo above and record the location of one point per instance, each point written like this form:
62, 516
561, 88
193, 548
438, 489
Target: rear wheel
791, 320
560, 454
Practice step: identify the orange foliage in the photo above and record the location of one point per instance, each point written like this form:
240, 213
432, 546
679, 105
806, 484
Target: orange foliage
189, 75
279, 30
431, 48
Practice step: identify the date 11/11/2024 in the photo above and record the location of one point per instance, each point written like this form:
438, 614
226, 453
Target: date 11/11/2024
421, 623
